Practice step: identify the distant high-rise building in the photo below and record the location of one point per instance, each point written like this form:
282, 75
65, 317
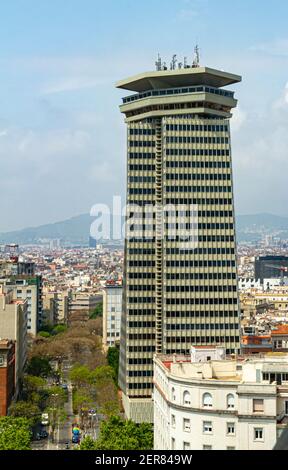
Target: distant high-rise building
269, 267
179, 154
112, 311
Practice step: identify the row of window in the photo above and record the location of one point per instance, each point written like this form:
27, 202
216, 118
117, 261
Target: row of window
141, 155
189, 314
142, 131
138, 361
198, 152
202, 326
142, 143
141, 349
207, 426
203, 340
176, 238
141, 336
200, 288
144, 311
187, 189
196, 164
200, 251
196, 276
196, 176
209, 201
197, 127
196, 140
191, 263
140, 373
200, 301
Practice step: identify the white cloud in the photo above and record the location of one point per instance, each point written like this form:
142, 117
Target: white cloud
71, 84
278, 47
238, 119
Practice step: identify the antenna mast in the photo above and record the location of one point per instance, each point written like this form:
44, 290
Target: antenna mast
196, 61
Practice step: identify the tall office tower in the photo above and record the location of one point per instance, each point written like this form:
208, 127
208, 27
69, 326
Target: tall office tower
179, 154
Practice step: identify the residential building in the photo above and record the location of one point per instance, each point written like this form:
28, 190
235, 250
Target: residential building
13, 326
7, 374
180, 273
206, 402
279, 337
81, 304
112, 310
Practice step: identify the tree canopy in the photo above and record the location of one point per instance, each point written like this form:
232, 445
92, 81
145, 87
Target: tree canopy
15, 433
118, 434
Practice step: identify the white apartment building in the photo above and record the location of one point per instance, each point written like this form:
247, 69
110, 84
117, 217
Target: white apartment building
210, 403
112, 310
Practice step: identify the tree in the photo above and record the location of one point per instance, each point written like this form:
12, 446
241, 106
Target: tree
113, 361
55, 407
15, 433
117, 434
39, 366
88, 444
97, 312
27, 410
44, 334
58, 329
79, 375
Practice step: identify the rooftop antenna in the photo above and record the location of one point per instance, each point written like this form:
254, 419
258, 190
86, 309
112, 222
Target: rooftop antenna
174, 62
196, 61
158, 63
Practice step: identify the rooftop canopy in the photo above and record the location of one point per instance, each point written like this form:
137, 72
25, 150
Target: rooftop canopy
178, 78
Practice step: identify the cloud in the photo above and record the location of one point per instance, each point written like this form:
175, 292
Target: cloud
71, 84
278, 47
238, 119
260, 156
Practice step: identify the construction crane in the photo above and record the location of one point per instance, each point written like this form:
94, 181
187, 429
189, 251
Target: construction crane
283, 269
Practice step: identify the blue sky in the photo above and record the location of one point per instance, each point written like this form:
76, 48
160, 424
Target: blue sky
62, 138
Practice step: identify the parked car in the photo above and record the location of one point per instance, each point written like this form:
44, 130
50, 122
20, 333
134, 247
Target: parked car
43, 434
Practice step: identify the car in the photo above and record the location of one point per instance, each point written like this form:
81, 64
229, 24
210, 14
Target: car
37, 436
43, 434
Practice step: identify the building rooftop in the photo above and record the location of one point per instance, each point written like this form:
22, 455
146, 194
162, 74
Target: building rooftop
280, 330
178, 78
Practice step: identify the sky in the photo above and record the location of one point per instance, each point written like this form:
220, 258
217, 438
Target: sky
62, 137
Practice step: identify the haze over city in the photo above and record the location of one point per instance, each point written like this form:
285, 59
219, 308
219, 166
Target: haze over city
59, 123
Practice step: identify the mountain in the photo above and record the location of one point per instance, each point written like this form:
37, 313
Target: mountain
75, 231
254, 227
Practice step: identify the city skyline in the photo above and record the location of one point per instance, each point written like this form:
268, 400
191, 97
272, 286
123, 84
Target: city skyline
56, 95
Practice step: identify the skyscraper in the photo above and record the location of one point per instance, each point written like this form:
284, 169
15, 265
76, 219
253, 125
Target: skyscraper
179, 155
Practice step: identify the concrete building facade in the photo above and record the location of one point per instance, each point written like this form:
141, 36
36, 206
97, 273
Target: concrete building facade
112, 311
219, 404
179, 155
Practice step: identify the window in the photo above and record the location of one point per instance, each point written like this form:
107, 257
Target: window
186, 425
286, 405
173, 395
172, 443
258, 405
186, 398
1, 360
207, 400
230, 429
258, 434
173, 421
186, 445
205, 447
230, 401
207, 427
